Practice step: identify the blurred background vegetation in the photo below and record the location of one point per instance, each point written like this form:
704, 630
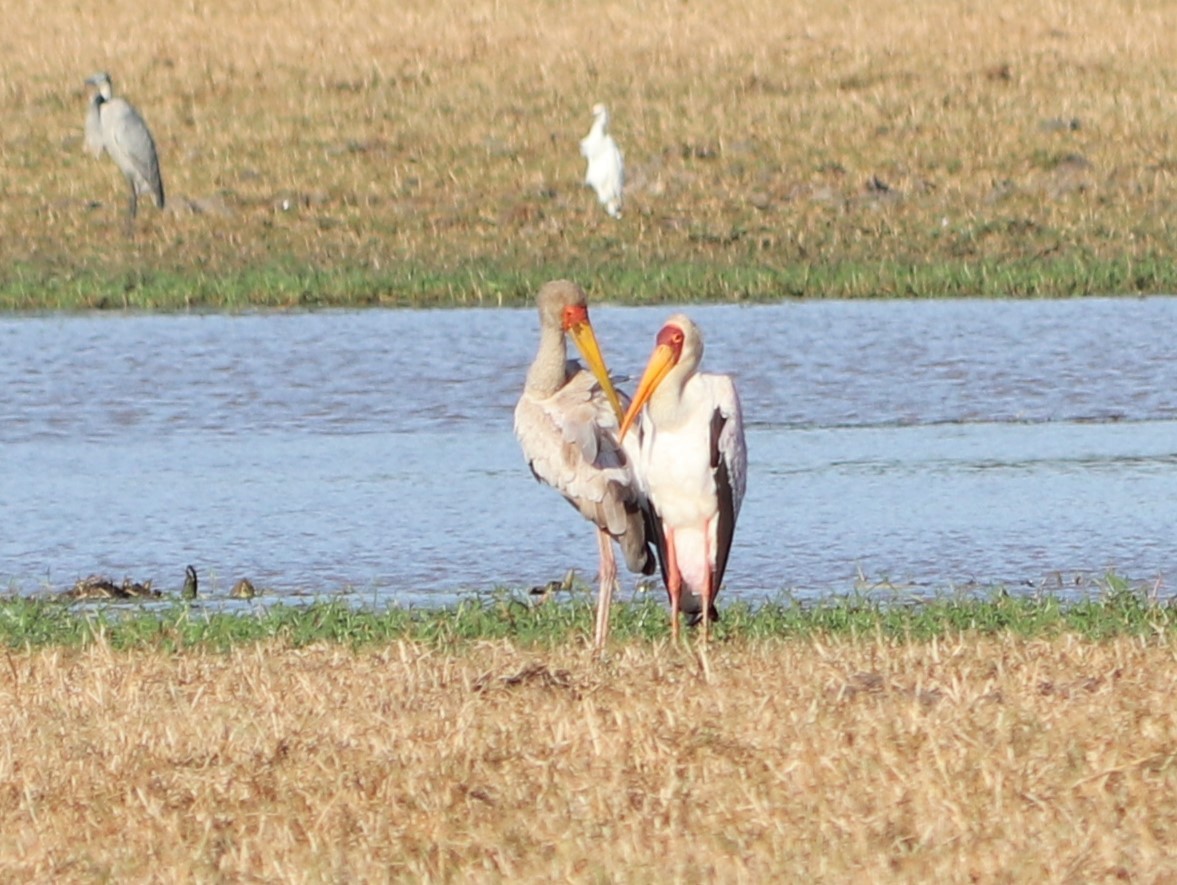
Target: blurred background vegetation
322, 153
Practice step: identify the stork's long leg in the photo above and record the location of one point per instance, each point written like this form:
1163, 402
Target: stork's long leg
673, 582
608, 579
707, 591
707, 594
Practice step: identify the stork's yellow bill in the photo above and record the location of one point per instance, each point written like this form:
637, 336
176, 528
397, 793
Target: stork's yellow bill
576, 323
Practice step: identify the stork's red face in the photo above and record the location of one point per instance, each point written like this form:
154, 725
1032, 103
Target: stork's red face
667, 352
672, 336
575, 315
576, 323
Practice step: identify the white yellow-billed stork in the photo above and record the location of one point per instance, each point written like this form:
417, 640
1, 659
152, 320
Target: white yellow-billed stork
567, 423
692, 465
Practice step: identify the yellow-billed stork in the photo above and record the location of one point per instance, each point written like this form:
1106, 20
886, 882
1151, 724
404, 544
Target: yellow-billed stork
692, 465
567, 423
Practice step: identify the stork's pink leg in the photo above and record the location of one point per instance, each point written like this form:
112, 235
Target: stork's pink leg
707, 592
608, 578
707, 595
673, 582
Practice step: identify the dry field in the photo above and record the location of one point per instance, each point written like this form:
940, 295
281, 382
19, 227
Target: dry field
976, 759
377, 152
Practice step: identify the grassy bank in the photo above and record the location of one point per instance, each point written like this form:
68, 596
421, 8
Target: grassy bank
427, 153
1118, 610
1005, 744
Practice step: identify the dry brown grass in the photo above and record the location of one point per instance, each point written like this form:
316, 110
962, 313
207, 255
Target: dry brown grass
975, 759
441, 136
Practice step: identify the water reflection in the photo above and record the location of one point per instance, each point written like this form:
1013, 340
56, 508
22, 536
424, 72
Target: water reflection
928, 442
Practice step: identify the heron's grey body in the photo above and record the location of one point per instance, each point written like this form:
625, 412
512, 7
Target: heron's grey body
114, 126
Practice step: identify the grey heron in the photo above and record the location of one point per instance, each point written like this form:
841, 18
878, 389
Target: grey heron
114, 126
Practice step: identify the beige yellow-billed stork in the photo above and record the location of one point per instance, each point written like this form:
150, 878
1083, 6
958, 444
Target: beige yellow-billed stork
567, 423
692, 464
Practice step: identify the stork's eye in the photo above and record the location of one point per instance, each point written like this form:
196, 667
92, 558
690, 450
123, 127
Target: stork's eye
672, 336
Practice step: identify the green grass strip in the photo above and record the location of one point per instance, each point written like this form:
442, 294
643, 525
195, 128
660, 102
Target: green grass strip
1118, 610
286, 285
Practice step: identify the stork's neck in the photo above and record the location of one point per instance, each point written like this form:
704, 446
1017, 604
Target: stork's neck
548, 371
667, 405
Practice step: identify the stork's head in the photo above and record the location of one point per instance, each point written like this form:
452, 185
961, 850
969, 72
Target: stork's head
563, 305
678, 350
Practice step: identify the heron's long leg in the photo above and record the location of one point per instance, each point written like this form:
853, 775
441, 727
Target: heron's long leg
608, 579
673, 582
133, 206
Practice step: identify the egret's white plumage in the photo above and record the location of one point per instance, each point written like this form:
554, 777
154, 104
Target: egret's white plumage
692, 465
115, 127
606, 168
567, 424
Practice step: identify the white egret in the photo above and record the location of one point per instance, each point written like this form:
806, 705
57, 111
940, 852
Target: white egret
606, 168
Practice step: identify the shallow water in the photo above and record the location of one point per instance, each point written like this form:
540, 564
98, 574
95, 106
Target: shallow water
931, 443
